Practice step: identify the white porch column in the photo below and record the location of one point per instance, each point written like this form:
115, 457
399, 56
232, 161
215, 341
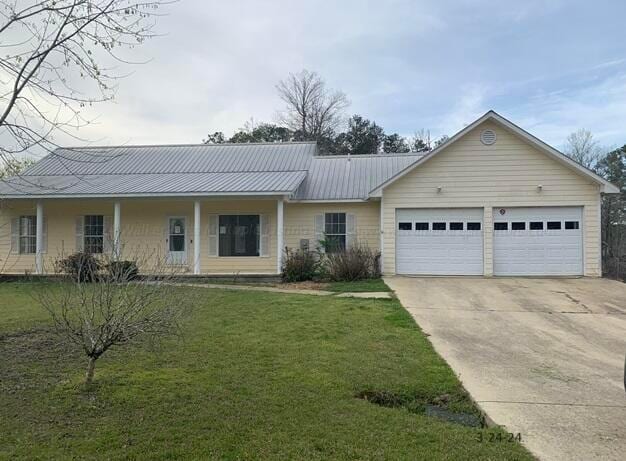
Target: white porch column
279, 235
196, 237
39, 239
117, 226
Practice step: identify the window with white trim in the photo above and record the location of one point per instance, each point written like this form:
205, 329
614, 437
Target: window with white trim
28, 234
93, 236
335, 232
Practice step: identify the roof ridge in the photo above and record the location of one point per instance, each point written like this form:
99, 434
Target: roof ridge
385, 155
167, 172
188, 145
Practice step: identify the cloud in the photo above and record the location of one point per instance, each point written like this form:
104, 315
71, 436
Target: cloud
551, 66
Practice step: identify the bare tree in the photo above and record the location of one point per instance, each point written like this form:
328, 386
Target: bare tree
421, 141
581, 147
312, 110
57, 59
101, 304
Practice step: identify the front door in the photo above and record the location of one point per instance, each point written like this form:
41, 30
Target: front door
176, 241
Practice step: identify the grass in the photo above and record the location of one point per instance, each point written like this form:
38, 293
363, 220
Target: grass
358, 286
258, 376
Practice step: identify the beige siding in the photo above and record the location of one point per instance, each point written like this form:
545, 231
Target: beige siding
505, 174
143, 231
300, 221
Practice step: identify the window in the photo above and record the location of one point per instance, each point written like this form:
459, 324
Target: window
554, 225
405, 226
536, 225
239, 235
439, 226
571, 225
518, 226
421, 226
456, 226
500, 226
28, 233
94, 234
335, 232
177, 235
473, 226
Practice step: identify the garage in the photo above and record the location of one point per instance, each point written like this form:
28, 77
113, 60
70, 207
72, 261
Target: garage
443, 241
538, 241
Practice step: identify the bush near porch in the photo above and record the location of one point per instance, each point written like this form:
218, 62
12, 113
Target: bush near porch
259, 375
356, 263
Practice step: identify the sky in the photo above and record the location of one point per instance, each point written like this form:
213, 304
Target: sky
551, 67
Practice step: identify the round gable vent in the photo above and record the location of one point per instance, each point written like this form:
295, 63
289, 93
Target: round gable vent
488, 137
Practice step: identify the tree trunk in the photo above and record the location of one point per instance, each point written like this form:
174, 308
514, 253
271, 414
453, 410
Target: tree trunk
91, 366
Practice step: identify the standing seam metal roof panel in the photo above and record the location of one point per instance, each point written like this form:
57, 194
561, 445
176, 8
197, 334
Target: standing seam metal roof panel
285, 168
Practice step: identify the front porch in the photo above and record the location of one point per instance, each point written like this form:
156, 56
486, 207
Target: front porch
198, 236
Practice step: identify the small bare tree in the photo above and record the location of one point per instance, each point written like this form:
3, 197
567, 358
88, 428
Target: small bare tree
312, 110
583, 148
57, 59
101, 303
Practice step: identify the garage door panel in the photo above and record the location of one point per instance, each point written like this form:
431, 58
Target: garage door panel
435, 252
538, 252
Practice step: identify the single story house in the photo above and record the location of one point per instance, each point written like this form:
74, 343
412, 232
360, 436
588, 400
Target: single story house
492, 200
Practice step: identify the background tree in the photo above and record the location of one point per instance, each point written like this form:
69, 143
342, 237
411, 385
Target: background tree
583, 148
613, 168
264, 132
395, 143
362, 137
215, 138
420, 141
312, 111
57, 58
441, 140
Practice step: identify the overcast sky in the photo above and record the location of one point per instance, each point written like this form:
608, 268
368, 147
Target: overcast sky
550, 66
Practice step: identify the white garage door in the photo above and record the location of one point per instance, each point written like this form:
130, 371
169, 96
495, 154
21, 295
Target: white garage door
538, 241
439, 241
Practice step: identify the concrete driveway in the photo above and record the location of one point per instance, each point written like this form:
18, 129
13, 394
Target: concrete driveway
543, 357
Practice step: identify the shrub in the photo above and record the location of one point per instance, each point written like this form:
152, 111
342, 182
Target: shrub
355, 263
83, 267
299, 265
122, 271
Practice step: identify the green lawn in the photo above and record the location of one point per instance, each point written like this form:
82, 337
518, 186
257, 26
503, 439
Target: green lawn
258, 376
358, 286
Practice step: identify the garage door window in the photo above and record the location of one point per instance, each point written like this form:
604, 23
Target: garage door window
536, 225
422, 226
518, 226
501, 226
571, 225
439, 226
456, 226
473, 226
554, 225
406, 226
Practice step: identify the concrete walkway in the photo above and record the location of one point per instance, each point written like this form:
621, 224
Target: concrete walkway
365, 295
542, 357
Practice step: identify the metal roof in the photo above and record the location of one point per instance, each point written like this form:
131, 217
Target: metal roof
292, 169
164, 184
202, 158
354, 177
